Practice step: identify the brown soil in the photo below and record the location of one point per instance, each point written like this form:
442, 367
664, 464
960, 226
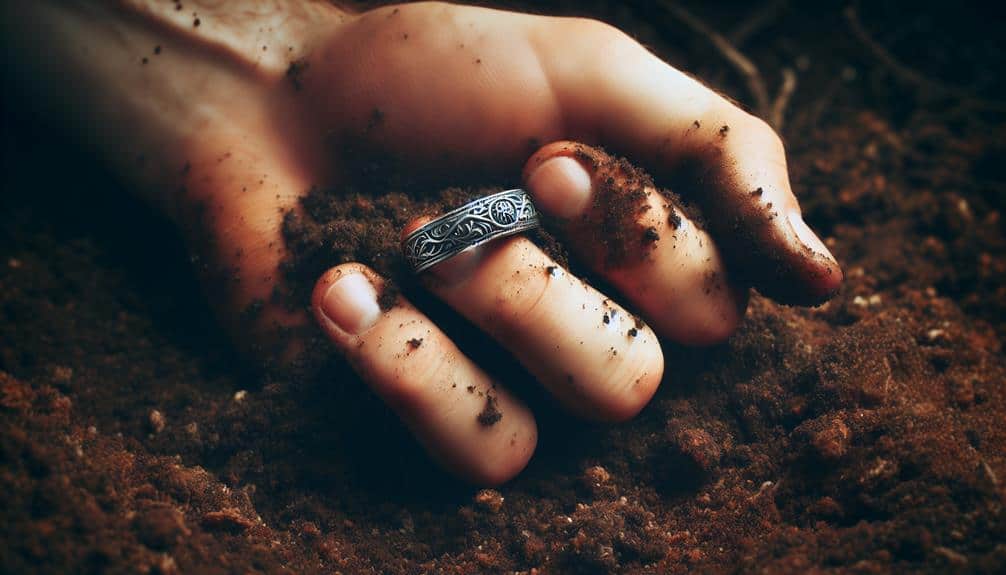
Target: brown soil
620, 198
862, 436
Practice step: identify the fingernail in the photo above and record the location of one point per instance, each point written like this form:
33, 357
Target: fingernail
560, 186
351, 303
807, 236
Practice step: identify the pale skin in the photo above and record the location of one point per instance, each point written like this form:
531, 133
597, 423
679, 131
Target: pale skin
204, 122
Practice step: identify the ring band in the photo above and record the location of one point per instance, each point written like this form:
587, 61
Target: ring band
473, 224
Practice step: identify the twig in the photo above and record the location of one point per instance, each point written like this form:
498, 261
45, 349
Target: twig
810, 115
907, 74
772, 110
748, 70
782, 99
761, 18
904, 72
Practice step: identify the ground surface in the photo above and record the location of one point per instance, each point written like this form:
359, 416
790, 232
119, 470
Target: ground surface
863, 436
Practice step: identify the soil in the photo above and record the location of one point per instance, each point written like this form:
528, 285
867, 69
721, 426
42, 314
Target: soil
620, 199
864, 435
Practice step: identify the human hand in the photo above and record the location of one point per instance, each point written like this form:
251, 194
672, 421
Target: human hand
229, 143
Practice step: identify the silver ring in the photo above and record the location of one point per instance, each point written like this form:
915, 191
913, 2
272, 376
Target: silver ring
473, 224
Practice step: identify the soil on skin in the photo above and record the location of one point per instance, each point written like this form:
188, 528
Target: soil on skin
865, 435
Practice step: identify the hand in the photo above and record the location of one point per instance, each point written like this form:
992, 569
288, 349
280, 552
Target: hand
206, 121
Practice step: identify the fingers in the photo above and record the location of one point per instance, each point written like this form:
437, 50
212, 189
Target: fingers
639, 240
731, 163
505, 81
473, 427
593, 356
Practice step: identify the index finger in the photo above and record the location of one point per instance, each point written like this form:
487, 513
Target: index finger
733, 164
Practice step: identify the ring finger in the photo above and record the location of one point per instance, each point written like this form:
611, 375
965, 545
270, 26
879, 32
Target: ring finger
597, 359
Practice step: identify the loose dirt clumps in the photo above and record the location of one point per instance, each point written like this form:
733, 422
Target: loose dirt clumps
490, 414
620, 192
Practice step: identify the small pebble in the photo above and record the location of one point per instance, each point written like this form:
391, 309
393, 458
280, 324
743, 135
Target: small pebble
596, 475
160, 527
62, 374
831, 441
489, 500
156, 421
699, 447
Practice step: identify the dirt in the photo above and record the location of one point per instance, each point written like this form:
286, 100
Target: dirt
865, 435
490, 414
620, 198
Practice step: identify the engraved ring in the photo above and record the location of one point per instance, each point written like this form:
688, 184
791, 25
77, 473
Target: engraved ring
473, 224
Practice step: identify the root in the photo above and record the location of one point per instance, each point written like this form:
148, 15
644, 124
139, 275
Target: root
762, 17
743, 65
908, 75
772, 110
781, 102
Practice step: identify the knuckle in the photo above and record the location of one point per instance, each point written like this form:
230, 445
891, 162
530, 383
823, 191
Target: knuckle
597, 29
599, 38
766, 134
